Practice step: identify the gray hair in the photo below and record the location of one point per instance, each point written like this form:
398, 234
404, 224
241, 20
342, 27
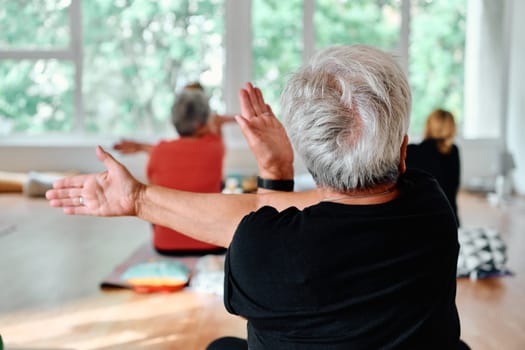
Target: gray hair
190, 110
347, 112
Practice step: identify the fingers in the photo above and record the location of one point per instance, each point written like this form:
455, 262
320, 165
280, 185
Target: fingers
71, 182
269, 109
69, 195
66, 198
243, 124
260, 101
102, 155
65, 203
241, 121
252, 103
246, 105
106, 158
247, 127
70, 200
255, 99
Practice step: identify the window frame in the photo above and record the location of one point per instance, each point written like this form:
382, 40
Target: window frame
237, 65
72, 53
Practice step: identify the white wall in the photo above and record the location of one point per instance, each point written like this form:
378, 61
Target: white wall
483, 71
479, 159
20, 158
516, 94
494, 75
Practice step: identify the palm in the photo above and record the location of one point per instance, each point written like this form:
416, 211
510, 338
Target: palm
106, 196
265, 135
110, 193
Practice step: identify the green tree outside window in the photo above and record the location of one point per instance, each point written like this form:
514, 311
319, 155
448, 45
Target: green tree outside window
436, 64
138, 53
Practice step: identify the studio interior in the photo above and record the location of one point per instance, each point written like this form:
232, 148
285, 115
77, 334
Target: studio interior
80, 77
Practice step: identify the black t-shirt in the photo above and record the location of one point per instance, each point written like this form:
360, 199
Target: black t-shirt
444, 167
335, 276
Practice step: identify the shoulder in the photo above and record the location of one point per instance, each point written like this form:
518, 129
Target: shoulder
167, 143
422, 193
417, 179
412, 146
263, 226
212, 137
260, 236
419, 184
426, 146
412, 150
429, 145
455, 149
268, 216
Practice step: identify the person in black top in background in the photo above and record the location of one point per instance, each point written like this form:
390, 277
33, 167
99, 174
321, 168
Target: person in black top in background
438, 155
367, 260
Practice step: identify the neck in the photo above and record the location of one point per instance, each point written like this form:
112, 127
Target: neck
376, 195
203, 130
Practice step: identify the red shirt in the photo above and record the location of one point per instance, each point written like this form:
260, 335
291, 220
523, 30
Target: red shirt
188, 164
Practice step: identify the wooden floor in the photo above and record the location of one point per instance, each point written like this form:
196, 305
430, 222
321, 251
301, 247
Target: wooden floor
492, 311
50, 269
51, 266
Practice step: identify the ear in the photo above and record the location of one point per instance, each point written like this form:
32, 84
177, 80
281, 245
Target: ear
403, 157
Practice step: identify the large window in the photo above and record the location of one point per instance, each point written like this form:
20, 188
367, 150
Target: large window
104, 67
374, 23
436, 58
277, 44
34, 24
36, 96
137, 54
111, 67
36, 73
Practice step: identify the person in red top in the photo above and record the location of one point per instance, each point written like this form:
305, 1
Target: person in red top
193, 162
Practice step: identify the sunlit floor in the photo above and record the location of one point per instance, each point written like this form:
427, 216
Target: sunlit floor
51, 267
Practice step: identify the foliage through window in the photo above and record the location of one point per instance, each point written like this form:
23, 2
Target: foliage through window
436, 64
36, 96
375, 23
137, 53
277, 45
34, 23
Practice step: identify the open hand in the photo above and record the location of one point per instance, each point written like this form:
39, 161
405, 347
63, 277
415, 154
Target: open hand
110, 193
266, 136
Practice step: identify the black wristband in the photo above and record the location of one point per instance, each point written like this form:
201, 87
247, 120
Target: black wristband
275, 185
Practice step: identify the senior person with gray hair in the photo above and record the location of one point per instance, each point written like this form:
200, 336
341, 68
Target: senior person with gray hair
365, 261
191, 162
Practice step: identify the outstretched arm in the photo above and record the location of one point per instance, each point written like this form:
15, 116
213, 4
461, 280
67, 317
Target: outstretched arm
207, 217
130, 147
216, 122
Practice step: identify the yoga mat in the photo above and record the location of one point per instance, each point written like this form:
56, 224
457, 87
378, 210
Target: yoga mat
206, 272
